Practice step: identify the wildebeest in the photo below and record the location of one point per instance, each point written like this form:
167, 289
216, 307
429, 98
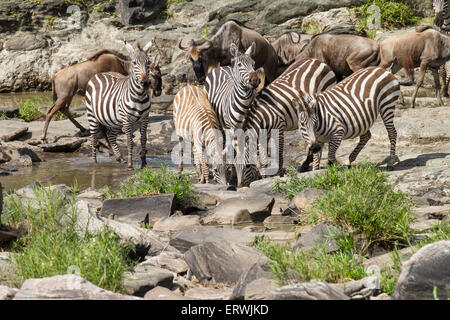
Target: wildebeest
424, 48
73, 80
344, 53
289, 45
209, 53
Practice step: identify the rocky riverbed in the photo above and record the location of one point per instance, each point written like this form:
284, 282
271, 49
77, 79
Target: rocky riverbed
204, 253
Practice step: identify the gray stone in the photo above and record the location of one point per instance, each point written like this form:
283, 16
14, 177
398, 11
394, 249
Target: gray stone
25, 42
172, 261
386, 260
314, 290
139, 11
426, 272
65, 287
358, 289
253, 273
317, 22
145, 278
274, 222
174, 223
23, 161
7, 293
433, 212
260, 289
207, 293
241, 210
68, 145
222, 261
306, 197
136, 209
194, 235
161, 293
15, 134
423, 226
319, 234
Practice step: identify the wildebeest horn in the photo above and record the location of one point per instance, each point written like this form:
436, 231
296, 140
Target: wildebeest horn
180, 46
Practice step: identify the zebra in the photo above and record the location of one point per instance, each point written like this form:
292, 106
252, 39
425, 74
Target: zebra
348, 110
444, 71
273, 109
115, 102
194, 117
442, 16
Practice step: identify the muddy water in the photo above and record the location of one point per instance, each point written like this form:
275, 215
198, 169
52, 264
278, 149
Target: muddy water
63, 168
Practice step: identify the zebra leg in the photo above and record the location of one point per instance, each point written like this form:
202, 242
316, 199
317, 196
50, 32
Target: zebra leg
335, 142
205, 169
437, 85
280, 153
198, 161
388, 117
445, 79
363, 139
95, 130
127, 130
180, 166
143, 130
112, 137
317, 157
262, 160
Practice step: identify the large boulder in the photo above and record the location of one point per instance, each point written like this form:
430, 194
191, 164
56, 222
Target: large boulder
321, 233
140, 11
426, 273
317, 22
65, 287
146, 277
253, 273
222, 261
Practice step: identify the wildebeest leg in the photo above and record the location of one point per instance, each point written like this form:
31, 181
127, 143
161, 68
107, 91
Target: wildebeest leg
408, 65
60, 103
437, 85
363, 139
66, 112
423, 68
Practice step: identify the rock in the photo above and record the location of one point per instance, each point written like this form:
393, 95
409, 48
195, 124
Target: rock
65, 287
314, 290
423, 226
15, 134
25, 42
386, 260
174, 223
11, 154
317, 22
195, 235
260, 289
425, 273
161, 293
319, 234
433, 212
172, 261
206, 293
135, 210
274, 222
22, 161
5, 263
7, 293
222, 261
146, 242
92, 196
241, 210
139, 11
68, 145
383, 296
358, 289
145, 278
253, 273
211, 194
306, 197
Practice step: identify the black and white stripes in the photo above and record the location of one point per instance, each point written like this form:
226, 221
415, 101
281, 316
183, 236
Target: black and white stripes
115, 102
348, 110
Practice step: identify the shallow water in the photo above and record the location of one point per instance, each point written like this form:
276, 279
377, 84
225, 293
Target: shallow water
68, 168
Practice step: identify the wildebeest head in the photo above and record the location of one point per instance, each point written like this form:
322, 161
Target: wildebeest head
244, 66
155, 77
202, 54
307, 119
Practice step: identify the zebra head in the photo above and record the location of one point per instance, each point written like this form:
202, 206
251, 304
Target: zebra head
307, 119
438, 6
140, 65
244, 67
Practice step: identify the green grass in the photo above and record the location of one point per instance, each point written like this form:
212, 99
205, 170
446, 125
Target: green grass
50, 248
359, 200
30, 109
290, 267
394, 14
150, 181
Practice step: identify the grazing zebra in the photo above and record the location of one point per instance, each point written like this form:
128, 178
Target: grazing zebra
442, 16
115, 102
273, 109
348, 110
195, 119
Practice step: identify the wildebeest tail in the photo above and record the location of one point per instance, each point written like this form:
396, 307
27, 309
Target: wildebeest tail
54, 95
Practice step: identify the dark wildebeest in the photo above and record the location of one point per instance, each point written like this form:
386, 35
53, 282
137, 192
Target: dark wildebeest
288, 46
73, 80
424, 48
215, 51
344, 53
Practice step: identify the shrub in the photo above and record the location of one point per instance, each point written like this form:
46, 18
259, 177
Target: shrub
29, 109
150, 181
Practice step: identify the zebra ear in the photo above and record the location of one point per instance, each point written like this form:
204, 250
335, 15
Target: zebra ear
156, 61
251, 50
148, 47
129, 47
234, 49
262, 78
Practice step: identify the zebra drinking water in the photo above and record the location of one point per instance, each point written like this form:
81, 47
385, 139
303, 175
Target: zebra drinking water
115, 102
348, 110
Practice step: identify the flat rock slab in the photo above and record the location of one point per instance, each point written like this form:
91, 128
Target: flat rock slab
172, 261
134, 210
206, 293
278, 221
15, 134
314, 290
433, 212
428, 269
174, 223
63, 146
145, 278
319, 234
161, 293
65, 287
7, 293
223, 261
194, 235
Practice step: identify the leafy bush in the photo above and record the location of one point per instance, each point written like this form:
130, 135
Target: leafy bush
359, 200
49, 248
150, 181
